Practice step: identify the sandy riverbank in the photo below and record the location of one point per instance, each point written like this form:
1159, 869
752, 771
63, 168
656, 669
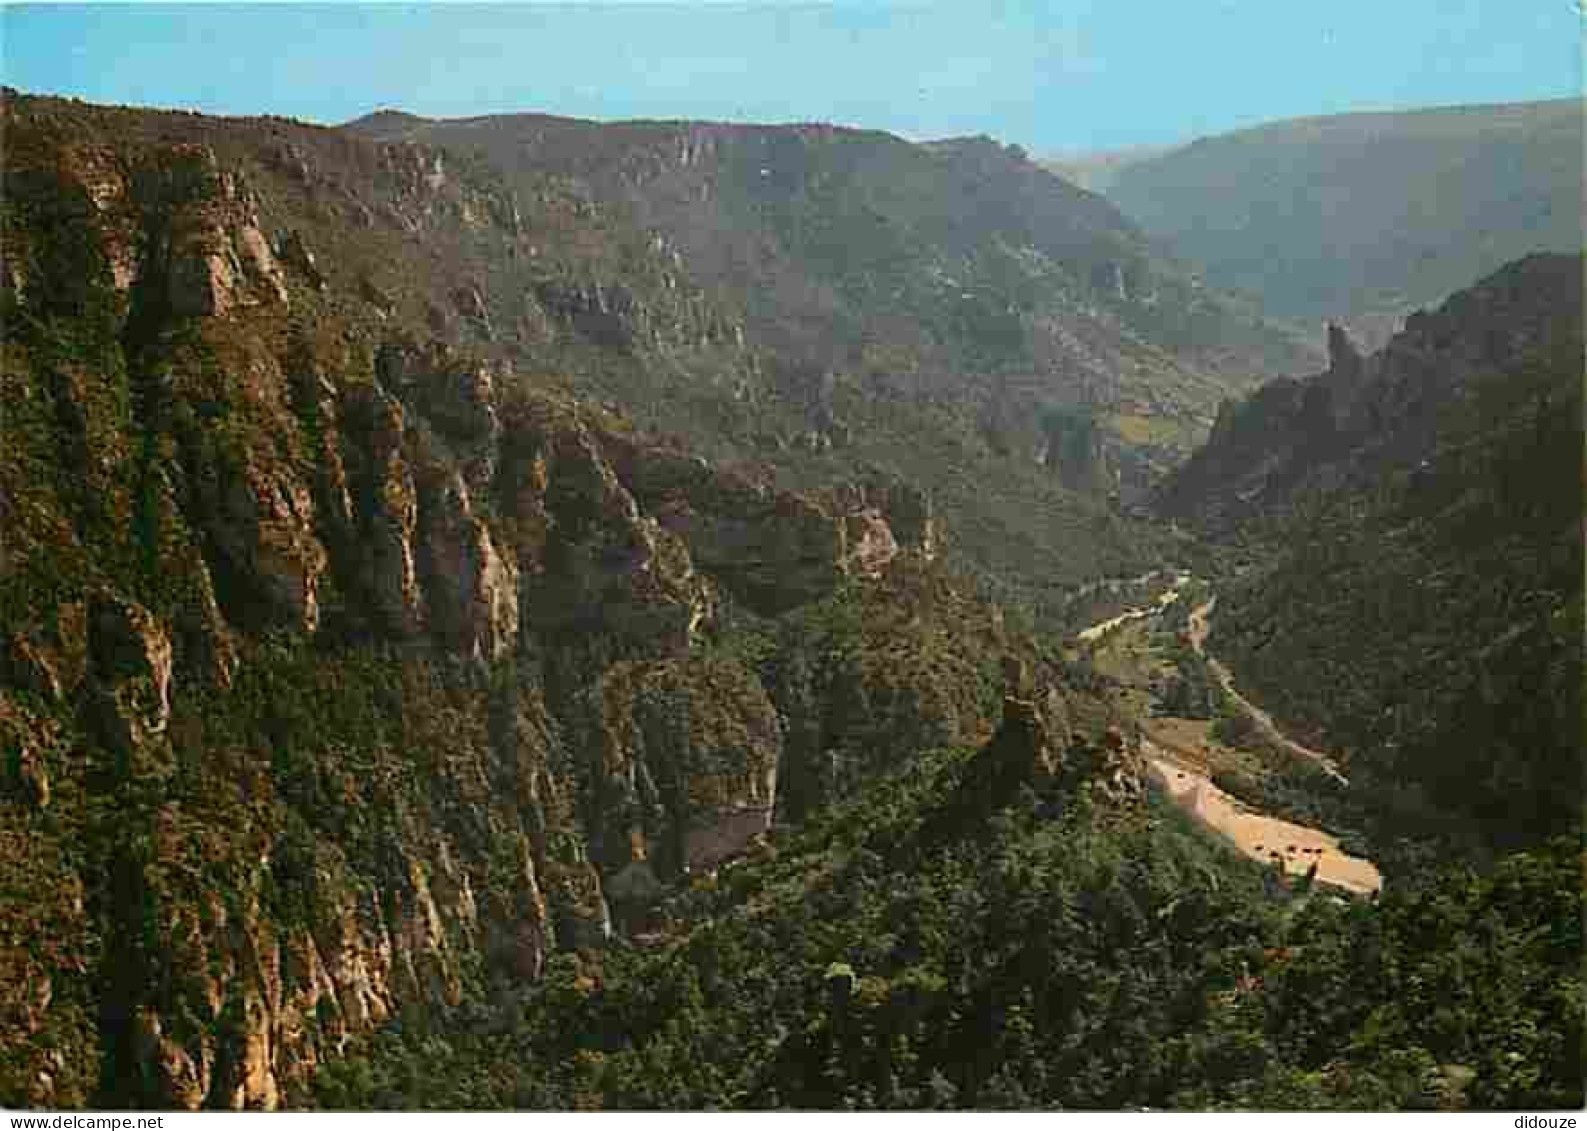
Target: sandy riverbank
1259, 836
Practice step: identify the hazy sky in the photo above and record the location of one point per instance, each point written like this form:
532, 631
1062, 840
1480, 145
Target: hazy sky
1053, 76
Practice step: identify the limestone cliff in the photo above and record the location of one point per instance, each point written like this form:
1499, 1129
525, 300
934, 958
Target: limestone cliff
345, 666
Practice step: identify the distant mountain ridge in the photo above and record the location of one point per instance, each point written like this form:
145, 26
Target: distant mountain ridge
1098, 170
1363, 217
954, 270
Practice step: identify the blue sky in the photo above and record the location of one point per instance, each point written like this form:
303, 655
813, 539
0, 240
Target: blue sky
1053, 76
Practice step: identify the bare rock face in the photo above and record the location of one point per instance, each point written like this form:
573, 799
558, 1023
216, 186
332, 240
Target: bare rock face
473, 586
199, 283
206, 642
516, 923
238, 1008
13, 278
30, 743
453, 392
132, 667
179, 1079
50, 663
774, 550
1110, 765
202, 233
868, 544
102, 177
376, 296
258, 261
33, 777
461, 400
294, 252
387, 535
262, 519
355, 824
596, 562
685, 756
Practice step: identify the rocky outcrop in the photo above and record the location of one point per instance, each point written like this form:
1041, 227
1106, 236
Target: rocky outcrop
1346, 366
377, 296
1364, 416
868, 544
1109, 765
238, 1008
460, 399
358, 669
261, 517
472, 585
294, 252
684, 755
175, 228
469, 302
610, 314
1024, 751
132, 673
205, 249
30, 743
591, 559
50, 662
1034, 748
912, 518
206, 643
390, 511
773, 549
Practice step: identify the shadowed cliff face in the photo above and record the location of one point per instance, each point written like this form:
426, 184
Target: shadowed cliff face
343, 668
1413, 524
1364, 416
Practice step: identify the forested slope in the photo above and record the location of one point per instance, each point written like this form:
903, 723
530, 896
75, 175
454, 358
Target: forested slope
1413, 527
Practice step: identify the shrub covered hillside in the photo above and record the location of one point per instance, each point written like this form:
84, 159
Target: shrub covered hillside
1414, 523
550, 267
950, 290
347, 672
980, 931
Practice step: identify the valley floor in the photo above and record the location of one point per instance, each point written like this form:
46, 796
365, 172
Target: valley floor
1287, 845
1183, 756
1198, 639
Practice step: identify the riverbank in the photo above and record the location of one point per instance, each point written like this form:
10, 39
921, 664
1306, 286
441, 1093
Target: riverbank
1294, 849
1182, 756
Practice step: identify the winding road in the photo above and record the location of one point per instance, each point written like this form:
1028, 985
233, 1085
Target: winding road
1199, 628
1269, 839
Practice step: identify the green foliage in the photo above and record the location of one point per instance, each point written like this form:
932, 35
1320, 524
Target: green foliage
1414, 594
902, 309
335, 791
1077, 958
